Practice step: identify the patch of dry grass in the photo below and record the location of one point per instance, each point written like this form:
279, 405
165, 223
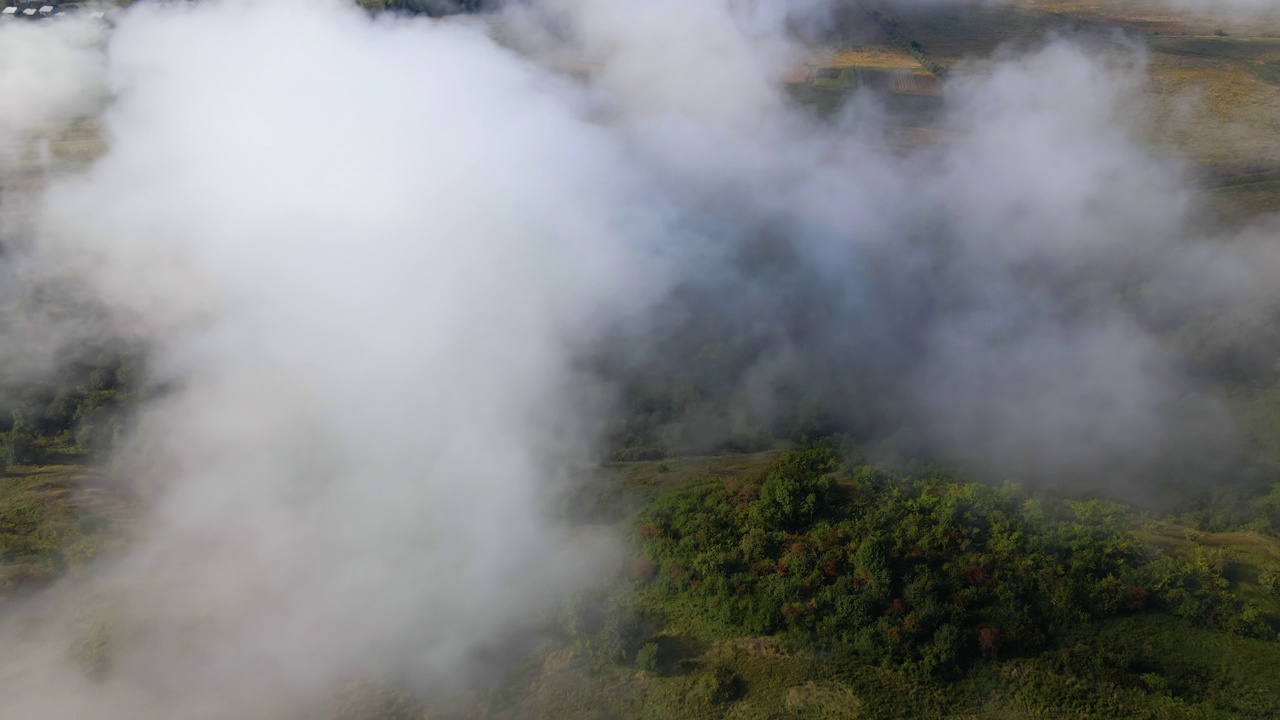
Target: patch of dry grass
876, 57
1219, 112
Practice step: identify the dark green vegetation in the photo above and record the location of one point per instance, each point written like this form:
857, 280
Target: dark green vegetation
924, 575
80, 411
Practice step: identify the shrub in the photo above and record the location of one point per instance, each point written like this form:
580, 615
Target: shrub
1135, 598
644, 569
794, 490
989, 641
714, 685
647, 657
362, 700
619, 636
640, 454
20, 445
1269, 582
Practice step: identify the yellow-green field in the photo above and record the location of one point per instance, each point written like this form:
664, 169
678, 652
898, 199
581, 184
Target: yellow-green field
873, 57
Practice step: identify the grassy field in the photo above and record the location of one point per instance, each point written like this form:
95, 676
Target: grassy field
54, 519
1218, 111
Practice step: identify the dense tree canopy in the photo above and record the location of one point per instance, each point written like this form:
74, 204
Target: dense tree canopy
925, 573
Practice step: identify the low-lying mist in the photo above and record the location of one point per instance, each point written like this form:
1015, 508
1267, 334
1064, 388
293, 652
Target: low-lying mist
398, 282
1239, 9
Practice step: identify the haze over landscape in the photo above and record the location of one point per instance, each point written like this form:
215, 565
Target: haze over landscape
599, 359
